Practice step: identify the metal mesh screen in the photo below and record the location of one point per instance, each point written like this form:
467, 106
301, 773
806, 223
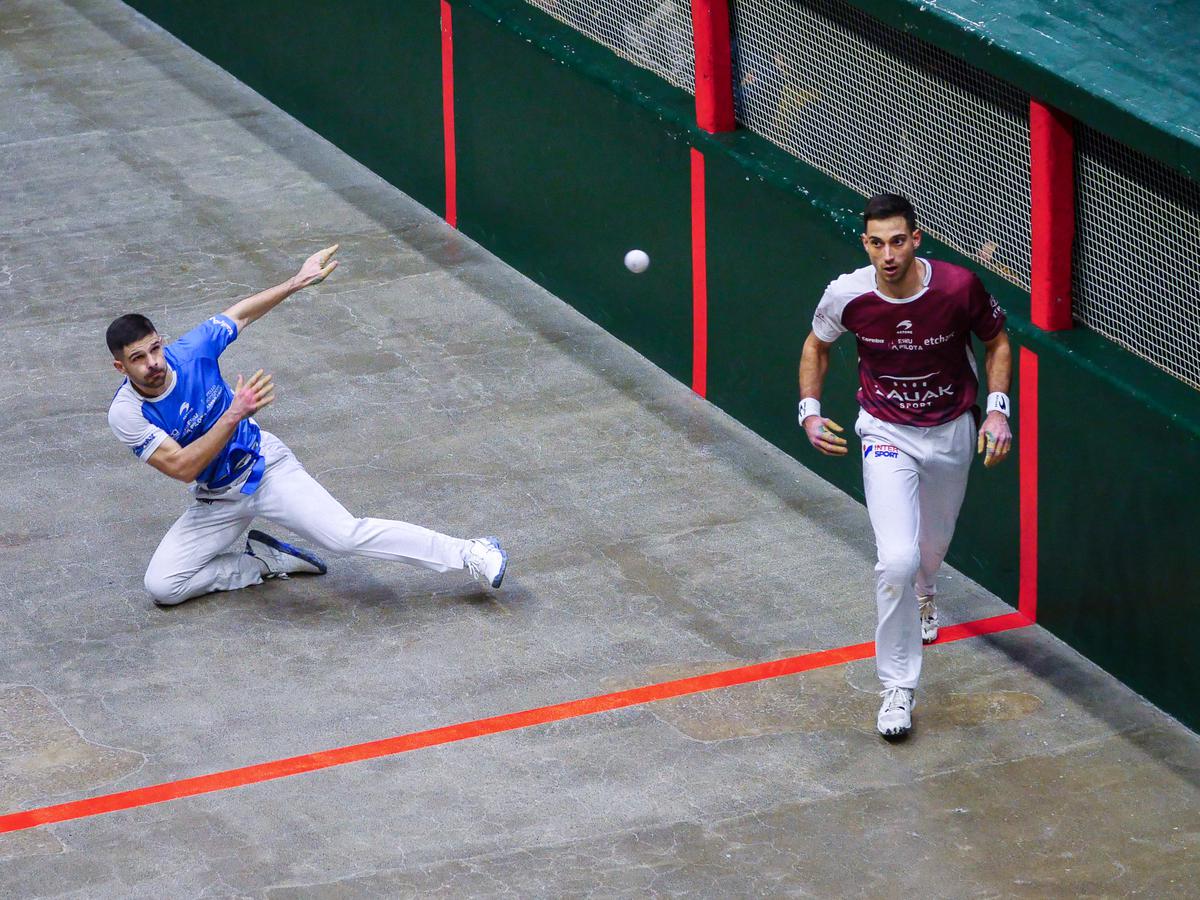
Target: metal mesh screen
653, 34
1136, 279
879, 110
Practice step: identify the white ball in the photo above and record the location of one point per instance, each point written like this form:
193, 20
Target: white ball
637, 261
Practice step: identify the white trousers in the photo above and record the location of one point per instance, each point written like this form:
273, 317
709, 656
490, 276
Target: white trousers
198, 553
915, 480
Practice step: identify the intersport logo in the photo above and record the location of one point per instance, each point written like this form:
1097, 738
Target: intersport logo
881, 451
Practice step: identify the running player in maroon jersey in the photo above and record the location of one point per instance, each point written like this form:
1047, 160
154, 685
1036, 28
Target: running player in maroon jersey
913, 320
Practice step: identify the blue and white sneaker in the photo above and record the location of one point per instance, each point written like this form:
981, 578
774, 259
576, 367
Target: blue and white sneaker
282, 559
486, 560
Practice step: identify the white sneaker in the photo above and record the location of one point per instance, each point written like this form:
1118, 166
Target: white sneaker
486, 560
282, 559
929, 620
895, 715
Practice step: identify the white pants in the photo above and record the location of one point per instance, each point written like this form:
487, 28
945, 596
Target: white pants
198, 554
915, 480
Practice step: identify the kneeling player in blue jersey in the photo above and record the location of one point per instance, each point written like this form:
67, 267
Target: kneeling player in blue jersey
175, 412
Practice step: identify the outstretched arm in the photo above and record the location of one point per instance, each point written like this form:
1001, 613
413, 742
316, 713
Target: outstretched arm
186, 463
995, 435
315, 269
822, 433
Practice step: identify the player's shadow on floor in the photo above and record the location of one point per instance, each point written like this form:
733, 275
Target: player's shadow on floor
310, 601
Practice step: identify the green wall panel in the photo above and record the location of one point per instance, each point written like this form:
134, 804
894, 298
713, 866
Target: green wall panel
366, 74
771, 252
1119, 570
560, 177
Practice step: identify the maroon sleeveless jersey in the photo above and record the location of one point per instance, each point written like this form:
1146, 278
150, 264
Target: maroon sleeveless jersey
915, 364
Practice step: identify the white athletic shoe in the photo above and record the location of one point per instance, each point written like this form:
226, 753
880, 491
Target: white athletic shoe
895, 715
929, 620
282, 559
486, 560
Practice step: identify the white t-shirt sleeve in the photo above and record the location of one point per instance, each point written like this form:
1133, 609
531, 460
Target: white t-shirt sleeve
131, 428
827, 320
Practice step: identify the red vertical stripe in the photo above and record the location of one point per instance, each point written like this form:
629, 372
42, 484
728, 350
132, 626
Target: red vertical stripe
1052, 208
1027, 443
699, 279
714, 65
448, 114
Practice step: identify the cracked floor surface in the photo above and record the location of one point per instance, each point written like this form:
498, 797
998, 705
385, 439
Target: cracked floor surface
651, 538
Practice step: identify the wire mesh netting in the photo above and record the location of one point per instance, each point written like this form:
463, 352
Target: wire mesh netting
1136, 281
878, 110
653, 34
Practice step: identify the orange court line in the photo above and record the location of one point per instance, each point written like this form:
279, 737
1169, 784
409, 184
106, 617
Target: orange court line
340, 756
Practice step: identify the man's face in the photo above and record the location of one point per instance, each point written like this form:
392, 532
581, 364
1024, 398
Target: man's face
892, 248
143, 364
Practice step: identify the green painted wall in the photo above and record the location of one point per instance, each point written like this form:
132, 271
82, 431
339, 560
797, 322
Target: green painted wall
1119, 460
559, 177
366, 74
567, 156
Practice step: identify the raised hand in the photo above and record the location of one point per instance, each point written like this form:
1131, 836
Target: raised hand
823, 434
253, 395
317, 267
995, 439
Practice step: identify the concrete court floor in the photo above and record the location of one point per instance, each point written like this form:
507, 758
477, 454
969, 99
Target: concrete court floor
651, 538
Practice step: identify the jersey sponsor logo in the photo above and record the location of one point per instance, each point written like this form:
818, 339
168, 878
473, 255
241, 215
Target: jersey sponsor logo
919, 398
221, 323
210, 399
937, 340
914, 392
137, 451
904, 338
191, 419
881, 451
871, 340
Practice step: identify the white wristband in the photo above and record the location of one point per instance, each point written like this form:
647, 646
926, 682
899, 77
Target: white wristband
809, 406
998, 402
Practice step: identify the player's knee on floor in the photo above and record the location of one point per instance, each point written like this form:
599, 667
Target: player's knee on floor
165, 590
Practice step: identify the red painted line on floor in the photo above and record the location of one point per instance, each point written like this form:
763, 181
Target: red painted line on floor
1027, 462
311, 762
448, 114
699, 278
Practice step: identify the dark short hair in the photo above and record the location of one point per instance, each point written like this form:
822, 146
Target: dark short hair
886, 206
125, 330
